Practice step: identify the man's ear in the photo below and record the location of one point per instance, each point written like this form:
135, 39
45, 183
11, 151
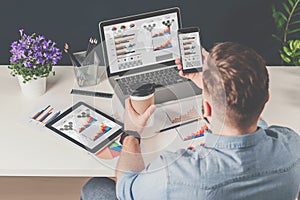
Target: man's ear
207, 109
268, 96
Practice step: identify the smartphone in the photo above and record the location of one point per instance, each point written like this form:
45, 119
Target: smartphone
190, 49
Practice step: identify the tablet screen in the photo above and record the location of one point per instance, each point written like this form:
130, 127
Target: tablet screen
87, 126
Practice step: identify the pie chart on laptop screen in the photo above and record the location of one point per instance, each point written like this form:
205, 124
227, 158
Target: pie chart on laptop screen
111, 151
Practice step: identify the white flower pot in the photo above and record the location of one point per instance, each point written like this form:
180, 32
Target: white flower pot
33, 88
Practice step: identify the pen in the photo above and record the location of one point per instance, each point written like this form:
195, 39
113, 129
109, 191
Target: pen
178, 125
91, 93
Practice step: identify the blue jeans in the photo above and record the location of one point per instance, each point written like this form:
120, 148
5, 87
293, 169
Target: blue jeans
99, 188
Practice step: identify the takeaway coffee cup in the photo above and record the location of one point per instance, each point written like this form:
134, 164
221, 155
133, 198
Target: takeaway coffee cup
142, 97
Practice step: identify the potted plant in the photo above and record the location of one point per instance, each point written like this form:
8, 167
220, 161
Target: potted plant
32, 59
287, 21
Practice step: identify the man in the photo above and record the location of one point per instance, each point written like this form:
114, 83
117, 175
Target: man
242, 157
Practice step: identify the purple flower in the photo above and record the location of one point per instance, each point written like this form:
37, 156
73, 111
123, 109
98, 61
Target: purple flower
21, 31
39, 38
35, 48
21, 43
47, 55
14, 44
27, 64
34, 51
13, 59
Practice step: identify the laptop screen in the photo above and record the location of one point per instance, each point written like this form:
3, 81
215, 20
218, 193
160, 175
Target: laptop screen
141, 40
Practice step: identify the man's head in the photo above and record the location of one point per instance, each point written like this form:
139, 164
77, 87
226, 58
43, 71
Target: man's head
236, 84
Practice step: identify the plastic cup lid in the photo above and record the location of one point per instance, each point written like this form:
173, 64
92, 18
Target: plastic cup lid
143, 90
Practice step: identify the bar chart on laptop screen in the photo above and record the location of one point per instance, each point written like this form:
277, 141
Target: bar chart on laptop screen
161, 37
142, 42
125, 41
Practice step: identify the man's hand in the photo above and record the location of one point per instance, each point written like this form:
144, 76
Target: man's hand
195, 77
134, 121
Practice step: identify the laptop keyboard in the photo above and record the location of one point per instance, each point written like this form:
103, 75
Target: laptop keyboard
161, 78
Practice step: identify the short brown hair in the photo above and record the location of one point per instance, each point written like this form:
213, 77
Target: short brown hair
245, 79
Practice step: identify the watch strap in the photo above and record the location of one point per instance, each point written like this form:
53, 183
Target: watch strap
132, 133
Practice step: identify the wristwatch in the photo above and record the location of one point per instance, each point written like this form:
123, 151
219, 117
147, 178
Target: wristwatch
132, 133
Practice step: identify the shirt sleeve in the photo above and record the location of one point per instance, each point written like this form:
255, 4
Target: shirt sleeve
151, 183
262, 124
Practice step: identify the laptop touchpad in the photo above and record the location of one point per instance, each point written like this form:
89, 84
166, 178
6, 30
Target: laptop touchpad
175, 92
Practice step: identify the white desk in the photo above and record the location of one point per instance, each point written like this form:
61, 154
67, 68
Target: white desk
29, 151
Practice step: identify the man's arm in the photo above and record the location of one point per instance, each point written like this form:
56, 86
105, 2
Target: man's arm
130, 157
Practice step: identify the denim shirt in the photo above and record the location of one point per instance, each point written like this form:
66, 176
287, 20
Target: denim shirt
260, 165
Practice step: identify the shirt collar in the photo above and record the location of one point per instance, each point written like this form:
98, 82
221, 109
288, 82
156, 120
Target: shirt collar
234, 142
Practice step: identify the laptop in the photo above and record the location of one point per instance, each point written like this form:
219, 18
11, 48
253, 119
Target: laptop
142, 49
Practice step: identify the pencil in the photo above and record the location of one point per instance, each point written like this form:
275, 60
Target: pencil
40, 112
54, 117
46, 120
39, 118
93, 43
71, 55
43, 118
89, 47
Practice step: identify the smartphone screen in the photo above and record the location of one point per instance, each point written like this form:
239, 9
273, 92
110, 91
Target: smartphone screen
190, 50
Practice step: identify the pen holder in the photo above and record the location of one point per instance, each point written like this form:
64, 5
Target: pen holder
90, 71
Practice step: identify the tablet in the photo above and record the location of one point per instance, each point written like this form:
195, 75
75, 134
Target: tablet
87, 127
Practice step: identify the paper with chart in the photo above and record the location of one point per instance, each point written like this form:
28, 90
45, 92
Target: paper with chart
184, 111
